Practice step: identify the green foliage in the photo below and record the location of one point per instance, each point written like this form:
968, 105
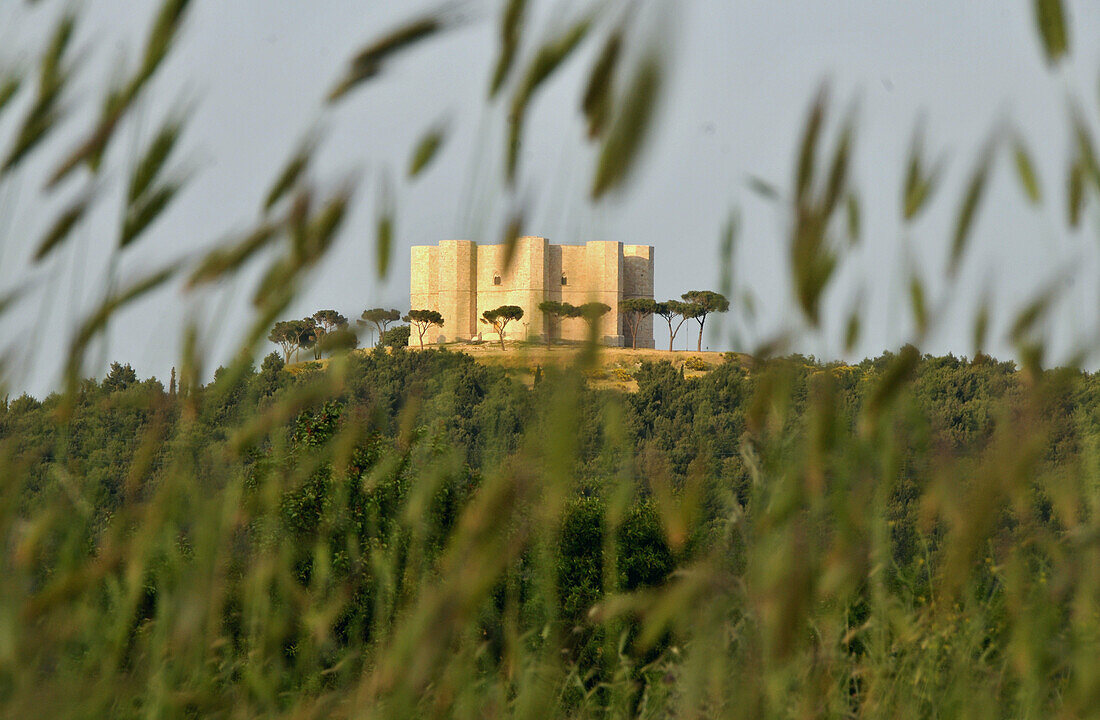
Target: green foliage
366, 496
397, 337
120, 377
293, 335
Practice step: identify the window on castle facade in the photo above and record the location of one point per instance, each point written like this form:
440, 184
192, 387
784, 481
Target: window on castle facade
564, 280
496, 279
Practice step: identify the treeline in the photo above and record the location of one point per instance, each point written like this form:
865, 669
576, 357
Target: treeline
676, 426
329, 331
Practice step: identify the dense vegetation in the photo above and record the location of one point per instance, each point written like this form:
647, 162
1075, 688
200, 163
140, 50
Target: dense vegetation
274, 541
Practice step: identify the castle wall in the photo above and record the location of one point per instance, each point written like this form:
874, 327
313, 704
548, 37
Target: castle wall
424, 279
457, 289
574, 268
462, 279
638, 283
523, 282
604, 283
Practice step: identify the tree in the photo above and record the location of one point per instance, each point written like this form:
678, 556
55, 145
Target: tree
500, 317
592, 312
311, 337
342, 338
707, 302
120, 377
380, 318
690, 311
670, 310
555, 309
423, 319
326, 322
634, 310
290, 335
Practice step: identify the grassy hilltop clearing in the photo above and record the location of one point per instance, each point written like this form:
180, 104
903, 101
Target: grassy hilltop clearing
610, 367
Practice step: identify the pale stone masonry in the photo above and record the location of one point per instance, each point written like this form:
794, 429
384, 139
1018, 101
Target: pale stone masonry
462, 279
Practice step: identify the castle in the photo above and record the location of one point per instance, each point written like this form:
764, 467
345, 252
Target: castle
462, 279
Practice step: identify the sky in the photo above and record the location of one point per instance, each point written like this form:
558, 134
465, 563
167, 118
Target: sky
252, 76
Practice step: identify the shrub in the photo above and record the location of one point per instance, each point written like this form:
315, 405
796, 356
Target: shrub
397, 337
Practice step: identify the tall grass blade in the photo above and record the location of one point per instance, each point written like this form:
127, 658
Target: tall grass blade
511, 30
852, 329
1075, 193
324, 228
1025, 171
425, 151
893, 380
512, 230
919, 185
1086, 151
548, 58
807, 154
151, 164
853, 215
625, 139
62, 227
837, 181
919, 304
223, 261
727, 251
9, 87
968, 209
368, 62
95, 323
163, 33
1051, 20
981, 327
51, 71
763, 188
45, 113
291, 174
599, 93
146, 210
39, 122
383, 241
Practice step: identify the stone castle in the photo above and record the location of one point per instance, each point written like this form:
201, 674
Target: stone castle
462, 279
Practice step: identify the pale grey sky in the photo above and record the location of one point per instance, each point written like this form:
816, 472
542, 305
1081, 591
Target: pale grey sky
743, 75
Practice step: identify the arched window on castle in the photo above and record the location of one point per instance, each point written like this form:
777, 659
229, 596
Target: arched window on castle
564, 280
496, 278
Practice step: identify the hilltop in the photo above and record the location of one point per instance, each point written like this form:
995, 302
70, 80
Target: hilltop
614, 368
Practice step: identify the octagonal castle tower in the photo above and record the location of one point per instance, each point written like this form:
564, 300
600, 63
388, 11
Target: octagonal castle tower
462, 279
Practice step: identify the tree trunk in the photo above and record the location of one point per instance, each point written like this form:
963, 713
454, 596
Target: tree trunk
671, 336
700, 348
